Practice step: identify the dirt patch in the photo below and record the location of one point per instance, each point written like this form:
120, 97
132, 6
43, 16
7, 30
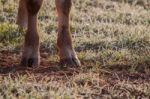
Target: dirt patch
9, 64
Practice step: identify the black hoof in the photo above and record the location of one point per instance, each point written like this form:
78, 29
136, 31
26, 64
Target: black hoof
70, 62
31, 62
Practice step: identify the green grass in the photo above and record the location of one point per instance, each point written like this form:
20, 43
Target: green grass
112, 40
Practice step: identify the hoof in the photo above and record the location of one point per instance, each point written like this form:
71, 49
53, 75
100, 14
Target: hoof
30, 62
70, 62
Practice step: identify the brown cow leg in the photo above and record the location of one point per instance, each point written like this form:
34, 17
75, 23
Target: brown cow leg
64, 42
22, 17
31, 54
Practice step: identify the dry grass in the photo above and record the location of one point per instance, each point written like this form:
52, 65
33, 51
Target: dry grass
112, 39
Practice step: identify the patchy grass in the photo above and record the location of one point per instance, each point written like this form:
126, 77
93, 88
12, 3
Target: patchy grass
112, 40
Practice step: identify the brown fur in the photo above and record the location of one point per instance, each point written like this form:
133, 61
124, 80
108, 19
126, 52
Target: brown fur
64, 41
22, 17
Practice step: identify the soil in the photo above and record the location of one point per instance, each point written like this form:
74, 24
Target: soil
9, 64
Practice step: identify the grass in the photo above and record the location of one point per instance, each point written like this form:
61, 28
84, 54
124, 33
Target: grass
112, 40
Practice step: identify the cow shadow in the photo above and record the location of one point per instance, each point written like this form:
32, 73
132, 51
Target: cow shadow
51, 69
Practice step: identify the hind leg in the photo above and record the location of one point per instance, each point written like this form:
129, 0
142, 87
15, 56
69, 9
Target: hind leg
31, 54
67, 53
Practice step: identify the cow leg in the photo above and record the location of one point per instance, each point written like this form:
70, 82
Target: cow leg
22, 17
31, 54
64, 41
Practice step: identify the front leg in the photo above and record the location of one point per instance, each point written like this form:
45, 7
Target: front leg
67, 53
31, 54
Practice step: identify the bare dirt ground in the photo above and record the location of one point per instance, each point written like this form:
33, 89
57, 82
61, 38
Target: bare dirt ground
9, 62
